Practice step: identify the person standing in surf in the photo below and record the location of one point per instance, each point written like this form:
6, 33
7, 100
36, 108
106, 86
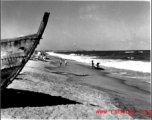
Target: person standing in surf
98, 65
92, 64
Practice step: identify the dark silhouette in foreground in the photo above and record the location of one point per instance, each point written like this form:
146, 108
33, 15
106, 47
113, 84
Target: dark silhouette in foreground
22, 98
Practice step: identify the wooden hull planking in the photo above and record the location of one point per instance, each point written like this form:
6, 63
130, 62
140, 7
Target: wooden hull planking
16, 52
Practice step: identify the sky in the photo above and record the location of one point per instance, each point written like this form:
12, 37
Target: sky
80, 25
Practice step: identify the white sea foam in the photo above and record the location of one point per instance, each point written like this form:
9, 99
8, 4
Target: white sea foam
120, 64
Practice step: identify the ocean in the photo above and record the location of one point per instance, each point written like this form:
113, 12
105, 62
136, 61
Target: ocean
133, 64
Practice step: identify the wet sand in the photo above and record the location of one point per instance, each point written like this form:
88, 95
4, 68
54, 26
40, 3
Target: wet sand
81, 89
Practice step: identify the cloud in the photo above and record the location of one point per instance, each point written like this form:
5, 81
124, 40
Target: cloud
91, 8
89, 17
68, 34
89, 12
88, 8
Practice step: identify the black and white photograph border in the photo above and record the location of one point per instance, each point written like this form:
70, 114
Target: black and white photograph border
75, 59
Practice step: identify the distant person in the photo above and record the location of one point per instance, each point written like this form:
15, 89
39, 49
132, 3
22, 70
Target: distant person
60, 62
98, 65
38, 54
44, 57
92, 64
66, 62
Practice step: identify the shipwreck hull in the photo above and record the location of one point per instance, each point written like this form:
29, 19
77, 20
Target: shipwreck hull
13, 55
16, 52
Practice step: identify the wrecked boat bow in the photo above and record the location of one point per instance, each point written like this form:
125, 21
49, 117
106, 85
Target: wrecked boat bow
16, 52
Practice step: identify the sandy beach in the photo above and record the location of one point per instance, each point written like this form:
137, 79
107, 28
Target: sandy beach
46, 90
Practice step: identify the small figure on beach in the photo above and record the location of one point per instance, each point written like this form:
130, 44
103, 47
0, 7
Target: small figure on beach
60, 62
44, 56
98, 65
92, 64
66, 62
39, 55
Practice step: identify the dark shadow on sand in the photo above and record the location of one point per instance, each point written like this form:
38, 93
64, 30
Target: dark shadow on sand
22, 98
